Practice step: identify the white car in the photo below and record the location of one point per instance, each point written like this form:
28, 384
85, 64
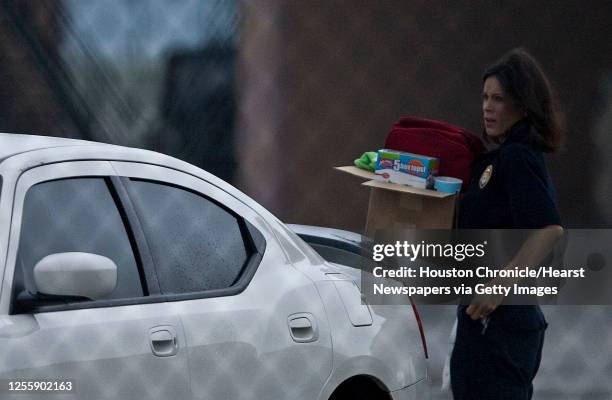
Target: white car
128, 274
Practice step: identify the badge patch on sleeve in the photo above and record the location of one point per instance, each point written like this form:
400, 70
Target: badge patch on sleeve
486, 175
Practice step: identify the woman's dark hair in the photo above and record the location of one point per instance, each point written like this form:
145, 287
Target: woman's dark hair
524, 81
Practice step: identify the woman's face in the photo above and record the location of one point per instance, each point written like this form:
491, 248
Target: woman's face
499, 111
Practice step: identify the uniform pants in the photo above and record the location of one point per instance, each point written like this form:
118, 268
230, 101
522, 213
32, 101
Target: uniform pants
500, 363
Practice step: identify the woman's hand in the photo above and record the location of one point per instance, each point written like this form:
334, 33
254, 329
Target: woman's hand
539, 243
483, 305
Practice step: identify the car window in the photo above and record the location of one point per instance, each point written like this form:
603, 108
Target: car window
75, 215
197, 244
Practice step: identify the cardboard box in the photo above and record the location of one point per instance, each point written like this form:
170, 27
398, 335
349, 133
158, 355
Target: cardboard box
393, 206
406, 168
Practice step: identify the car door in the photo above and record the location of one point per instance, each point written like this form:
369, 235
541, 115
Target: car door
127, 345
255, 326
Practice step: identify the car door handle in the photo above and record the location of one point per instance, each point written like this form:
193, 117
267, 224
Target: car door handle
163, 341
303, 328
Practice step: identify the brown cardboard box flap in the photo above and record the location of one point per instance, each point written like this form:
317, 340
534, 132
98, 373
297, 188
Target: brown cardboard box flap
362, 173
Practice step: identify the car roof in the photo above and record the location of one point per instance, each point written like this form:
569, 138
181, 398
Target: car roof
13, 143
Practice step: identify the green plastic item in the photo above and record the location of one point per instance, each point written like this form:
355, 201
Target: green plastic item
367, 161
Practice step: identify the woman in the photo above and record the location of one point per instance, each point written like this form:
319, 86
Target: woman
498, 348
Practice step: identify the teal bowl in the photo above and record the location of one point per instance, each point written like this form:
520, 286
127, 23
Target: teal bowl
447, 184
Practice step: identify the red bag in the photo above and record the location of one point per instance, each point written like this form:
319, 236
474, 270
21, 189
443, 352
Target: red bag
456, 147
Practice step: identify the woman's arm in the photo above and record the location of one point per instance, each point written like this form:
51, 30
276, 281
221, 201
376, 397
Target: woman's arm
537, 246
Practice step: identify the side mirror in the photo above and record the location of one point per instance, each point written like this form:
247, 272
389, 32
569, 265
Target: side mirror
76, 274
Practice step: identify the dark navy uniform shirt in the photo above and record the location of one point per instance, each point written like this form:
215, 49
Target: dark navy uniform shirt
519, 193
